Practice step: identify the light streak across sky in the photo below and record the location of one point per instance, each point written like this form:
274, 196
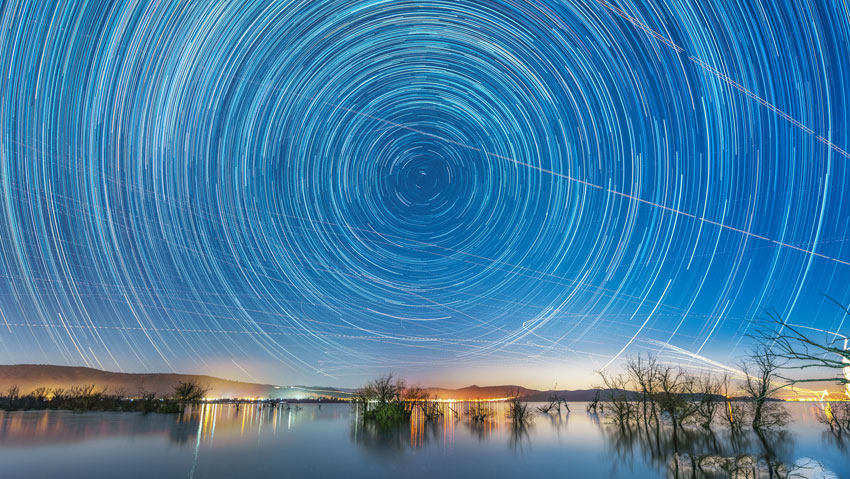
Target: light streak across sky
456, 191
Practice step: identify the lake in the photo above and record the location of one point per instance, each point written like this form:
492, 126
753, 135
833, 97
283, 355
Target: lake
309, 440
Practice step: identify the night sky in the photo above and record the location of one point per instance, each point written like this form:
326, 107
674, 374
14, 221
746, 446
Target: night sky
458, 192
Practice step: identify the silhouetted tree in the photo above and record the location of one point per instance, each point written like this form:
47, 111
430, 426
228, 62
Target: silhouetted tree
189, 391
836, 415
12, 394
643, 374
616, 397
761, 383
383, 399
478, 413
40, 394
799, 348
84, 398
594, 403
674, 395
707, 392
554, 403
734, 412
147, 400
518, 412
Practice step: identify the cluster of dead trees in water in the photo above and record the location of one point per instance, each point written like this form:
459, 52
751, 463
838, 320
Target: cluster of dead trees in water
91, 398
649, 393
836, 415
390, 401
652, 395
680, 416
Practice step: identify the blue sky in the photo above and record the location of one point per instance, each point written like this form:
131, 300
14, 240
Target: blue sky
457, 192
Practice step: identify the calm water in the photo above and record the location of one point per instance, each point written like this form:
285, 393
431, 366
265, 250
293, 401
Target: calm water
313, 441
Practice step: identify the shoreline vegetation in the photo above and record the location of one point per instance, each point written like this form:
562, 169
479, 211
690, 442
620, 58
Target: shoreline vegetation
90, 398
670, 390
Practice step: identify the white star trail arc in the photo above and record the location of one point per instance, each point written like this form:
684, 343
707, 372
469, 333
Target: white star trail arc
331, 187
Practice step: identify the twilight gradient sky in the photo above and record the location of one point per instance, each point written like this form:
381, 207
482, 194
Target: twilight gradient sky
455, 191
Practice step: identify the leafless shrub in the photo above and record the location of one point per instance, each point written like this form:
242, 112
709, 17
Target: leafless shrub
674, 395
41, 394
13, 394
518, 411
84, 398
147, 400
189, 391
734, 412
593, 405
798, 347
554, 404
616, 399
431, 409
708, 393
836, 415
478, 412
643, 375
760, 385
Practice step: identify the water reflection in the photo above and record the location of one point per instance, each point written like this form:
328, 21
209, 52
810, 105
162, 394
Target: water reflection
57, 427
839, 441
723, 450
519, 437
216, 440
396, 439
199, 422
418, 433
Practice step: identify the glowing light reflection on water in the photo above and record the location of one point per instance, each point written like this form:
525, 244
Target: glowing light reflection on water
217, 440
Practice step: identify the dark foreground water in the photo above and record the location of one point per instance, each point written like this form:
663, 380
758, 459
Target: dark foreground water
327, 441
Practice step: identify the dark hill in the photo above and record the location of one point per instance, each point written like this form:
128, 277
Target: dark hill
30, 376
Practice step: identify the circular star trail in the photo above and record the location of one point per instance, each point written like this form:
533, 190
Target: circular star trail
302, 189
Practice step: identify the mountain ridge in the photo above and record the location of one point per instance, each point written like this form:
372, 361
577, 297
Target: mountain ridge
30, 376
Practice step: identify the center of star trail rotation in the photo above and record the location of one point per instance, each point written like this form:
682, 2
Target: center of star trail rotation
304, 190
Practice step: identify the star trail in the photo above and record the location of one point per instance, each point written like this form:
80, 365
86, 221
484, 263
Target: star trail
493, 191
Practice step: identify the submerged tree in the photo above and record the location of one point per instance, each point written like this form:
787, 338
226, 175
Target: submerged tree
675, 395
707, 390
620, 410
799, 348
761, 382
430, 409
593, 405
518, 411
383, 400
734, 411
478, 413
189, 391
836, 415
644, 376
554, 404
